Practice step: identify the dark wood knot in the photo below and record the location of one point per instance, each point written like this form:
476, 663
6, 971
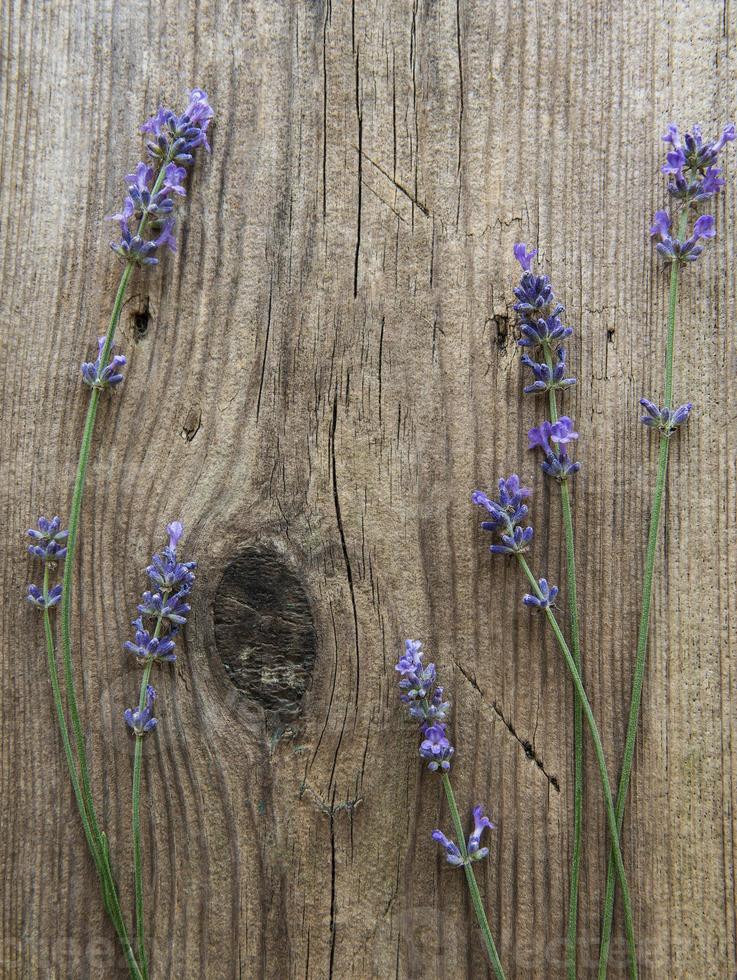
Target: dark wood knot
265, 632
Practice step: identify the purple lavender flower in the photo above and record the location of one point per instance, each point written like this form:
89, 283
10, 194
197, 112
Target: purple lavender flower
480, 823
423, 697
436, 747
559, 467
176, 137
559, 433
551, 438
513, 544
674, 250
148, 647
173, 608
36, 597
544, 331
473, 847
549, 593
452, 854
691, 163
523, 256
695, 178
507, 511
166, 572
141, 720
545, 378
666, 420
149, 202
96, 376
49, 540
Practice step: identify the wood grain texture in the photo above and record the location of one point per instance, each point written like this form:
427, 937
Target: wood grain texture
323, 373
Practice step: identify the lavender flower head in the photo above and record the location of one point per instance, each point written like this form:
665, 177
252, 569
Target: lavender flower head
97, 376
146, 222
507, 513
37, 598
674, 250
436, 747
141, 720
165, 603
423, 697
665, 420
691, 165
552, 438
49, 540
548, 594
49, 544
473, 847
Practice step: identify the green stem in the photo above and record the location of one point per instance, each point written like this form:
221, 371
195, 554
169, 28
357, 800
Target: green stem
136, 819
471, 880
137, 853
99, 854
565, 497
599, 752
647, 591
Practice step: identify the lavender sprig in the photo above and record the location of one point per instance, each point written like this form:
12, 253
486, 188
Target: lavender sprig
535, 297
694, 178
146, 224
497, 527
168, 611
423, 697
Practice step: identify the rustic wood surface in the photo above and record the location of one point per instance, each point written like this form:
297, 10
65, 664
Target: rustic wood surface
317, 381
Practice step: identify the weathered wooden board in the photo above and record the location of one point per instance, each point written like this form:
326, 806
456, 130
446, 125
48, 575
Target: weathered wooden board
317, 381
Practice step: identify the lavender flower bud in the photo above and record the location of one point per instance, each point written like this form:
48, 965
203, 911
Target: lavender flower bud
148, 647
473, 847
480, 823
545, 378
548, 592
452, 854
507, 511
36, 597
141, 720
557, 462
436, 747
513, 544
174, 609
523, 256
94, 375
49, 540
665, 420
544, 331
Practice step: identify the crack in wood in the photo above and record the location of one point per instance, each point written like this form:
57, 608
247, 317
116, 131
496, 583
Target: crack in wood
526, 744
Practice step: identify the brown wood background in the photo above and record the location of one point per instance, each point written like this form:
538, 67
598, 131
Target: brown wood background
317, 381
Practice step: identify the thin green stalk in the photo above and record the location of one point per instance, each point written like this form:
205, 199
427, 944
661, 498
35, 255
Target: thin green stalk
565, 498
110, 895
136, 819
136, 808
471, 880
647, 591
599, 752
66, 599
